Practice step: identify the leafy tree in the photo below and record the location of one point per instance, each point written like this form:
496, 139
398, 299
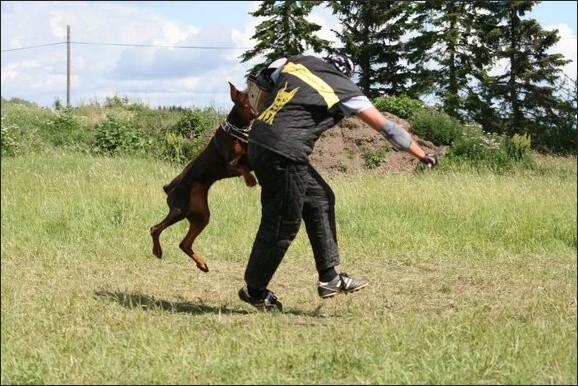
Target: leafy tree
286, 31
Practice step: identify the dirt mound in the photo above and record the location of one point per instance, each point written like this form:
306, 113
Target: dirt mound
343, 149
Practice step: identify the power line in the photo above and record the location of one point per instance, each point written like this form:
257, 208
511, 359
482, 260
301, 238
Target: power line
27, 48
163, 46
132, 45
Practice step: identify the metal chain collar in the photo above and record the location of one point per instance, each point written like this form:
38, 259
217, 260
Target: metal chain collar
240, 134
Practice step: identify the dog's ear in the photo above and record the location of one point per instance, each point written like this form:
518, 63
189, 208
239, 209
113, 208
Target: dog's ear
234, 92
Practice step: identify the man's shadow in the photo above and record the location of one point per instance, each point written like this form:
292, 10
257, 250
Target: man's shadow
149, 303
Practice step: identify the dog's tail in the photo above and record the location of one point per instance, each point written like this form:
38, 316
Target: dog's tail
171, 185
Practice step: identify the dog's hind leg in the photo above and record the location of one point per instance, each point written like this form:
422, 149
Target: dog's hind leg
177, 212
198, 217
174, 216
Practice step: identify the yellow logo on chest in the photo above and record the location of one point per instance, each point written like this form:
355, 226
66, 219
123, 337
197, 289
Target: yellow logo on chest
281, 100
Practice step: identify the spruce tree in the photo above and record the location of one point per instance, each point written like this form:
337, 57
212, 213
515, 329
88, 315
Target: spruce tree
443, 52
524, 88
285, 32
371, 32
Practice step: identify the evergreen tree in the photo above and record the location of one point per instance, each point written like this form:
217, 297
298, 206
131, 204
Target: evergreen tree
524, 91
444, 51
285, 32
558, 132
371, 32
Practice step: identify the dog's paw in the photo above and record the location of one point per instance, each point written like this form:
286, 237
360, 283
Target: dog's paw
250, 180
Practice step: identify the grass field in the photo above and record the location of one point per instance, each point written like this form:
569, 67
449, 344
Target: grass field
472, 281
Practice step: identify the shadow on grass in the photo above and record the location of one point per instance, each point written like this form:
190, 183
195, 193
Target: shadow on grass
149, 303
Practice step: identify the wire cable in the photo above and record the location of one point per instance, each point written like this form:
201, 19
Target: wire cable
27, 48
130, 45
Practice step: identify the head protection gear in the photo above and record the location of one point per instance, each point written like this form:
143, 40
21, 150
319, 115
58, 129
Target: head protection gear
342, 62
260, 84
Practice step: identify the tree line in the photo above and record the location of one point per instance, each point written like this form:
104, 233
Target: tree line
480, 61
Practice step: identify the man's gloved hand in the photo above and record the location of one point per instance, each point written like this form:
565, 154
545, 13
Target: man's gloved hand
430, 160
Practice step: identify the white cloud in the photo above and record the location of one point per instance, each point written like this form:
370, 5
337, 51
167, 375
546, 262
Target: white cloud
162, 75
156, 75
324, 17
565, 46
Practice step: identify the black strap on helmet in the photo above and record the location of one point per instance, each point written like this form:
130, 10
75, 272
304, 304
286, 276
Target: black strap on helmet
263, 79
342, 62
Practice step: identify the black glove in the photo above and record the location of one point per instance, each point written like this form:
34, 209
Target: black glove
430, 160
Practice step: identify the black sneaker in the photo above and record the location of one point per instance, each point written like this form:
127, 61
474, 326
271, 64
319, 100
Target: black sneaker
341, 284
269, 303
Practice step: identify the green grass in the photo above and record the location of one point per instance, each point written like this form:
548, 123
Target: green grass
472, 281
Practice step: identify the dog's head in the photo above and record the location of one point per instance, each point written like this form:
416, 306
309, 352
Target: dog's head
242, 114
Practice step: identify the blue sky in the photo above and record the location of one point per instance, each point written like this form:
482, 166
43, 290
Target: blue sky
555, 12
158, 76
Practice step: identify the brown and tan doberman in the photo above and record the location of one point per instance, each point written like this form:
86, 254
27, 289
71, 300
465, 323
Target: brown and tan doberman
225, 156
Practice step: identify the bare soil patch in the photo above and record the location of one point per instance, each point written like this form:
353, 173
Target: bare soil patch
342, 149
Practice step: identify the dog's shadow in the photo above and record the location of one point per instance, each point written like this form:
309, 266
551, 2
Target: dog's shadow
149, 303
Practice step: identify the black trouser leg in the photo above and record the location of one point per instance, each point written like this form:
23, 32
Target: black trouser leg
282, 192
319, 217
290, 192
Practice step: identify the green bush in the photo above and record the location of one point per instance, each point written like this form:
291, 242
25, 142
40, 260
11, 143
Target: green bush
65, 129
480, 149
194, 123
436, 126
154, 123
23, 124
189, 135
374, 158
10, 146
401, 106
555, 140
180, 150
179, 135
518, 147
115, 136
116, 101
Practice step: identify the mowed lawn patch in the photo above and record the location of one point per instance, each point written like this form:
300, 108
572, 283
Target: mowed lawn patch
472, 281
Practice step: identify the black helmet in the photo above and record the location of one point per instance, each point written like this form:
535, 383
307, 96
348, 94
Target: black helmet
342, 62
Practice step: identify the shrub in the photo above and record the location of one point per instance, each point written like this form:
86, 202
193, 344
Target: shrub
481, 149
193, 124
65, 129
436, 126
8, 136
23, 124
374, 158
557, 140
58, 104
189, 136
518, 147
402, 106
180, 150
115, 136
116, 102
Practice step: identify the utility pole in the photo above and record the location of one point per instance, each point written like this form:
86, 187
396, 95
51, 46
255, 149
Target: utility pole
67, 66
